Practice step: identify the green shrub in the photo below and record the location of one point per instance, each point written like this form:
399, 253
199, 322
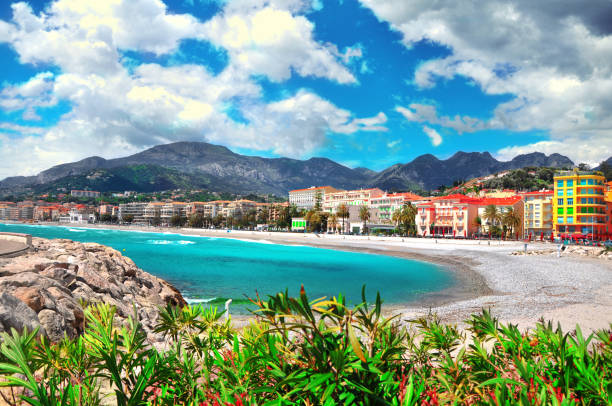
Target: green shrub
297, 351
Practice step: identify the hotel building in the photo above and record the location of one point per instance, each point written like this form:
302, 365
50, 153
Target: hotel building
579, 207
306, 198
355, 198
537, 213
451, 215
387, 204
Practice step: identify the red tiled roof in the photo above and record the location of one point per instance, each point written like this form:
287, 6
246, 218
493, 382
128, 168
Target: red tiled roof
407, 195
500, 201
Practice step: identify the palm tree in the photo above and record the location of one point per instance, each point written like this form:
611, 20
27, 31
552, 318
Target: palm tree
343, 213
405, 216
478, 223
491, 215
333, 222
511, 219
364, 215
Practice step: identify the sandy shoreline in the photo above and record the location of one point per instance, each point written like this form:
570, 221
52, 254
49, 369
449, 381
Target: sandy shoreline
518, 289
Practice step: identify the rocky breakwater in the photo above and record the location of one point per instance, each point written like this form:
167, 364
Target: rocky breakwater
572, 251
47, 288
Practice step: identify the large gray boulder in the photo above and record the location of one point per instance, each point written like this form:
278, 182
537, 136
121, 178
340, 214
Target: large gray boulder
16, 314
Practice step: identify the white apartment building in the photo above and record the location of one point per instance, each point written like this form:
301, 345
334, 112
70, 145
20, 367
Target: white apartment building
306, 198
133, 209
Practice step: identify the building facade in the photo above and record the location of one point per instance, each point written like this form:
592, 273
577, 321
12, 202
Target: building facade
306, 198
537, 214
452, 215
503, 205
579, 206
357, 198
136, 210
84, 193
384, 206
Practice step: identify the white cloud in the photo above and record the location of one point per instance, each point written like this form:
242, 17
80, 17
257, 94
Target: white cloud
556, 58
274, 42
21, 129
116, 111
36, 92
425, 113
433, 135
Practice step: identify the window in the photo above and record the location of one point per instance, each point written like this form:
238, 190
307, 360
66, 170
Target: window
560, 220
560, 192
570, 210
590, 191
570, 202
559, 183
590, 182
570, 192
583, 181
560, 210
583, 200
570, 183
570, 220
560, 202
590, 200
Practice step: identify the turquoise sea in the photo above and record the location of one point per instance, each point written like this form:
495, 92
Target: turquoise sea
210, 270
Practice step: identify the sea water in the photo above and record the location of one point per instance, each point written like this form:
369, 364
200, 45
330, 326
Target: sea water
211, 270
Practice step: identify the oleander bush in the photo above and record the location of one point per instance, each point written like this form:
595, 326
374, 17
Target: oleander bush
303, 352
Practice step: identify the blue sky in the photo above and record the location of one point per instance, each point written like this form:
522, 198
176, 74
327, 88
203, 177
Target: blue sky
366, 83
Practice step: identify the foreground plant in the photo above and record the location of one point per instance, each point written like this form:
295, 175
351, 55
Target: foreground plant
297, 351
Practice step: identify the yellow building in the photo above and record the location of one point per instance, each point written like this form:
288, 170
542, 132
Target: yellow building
538, 214
578, 204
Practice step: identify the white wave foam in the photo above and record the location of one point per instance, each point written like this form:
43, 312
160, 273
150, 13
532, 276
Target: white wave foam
170, 242
77, 230
194, 301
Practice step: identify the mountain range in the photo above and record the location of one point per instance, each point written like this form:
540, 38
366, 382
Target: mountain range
216, 168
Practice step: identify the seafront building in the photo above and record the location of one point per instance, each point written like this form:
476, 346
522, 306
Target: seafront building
350, 198
135, 209
579, 206
452, 215
537, 214
386, 205
306, 198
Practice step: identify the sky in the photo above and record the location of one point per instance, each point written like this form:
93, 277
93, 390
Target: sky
367, 83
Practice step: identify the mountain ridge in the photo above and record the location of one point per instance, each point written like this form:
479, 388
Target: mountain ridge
224, 169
